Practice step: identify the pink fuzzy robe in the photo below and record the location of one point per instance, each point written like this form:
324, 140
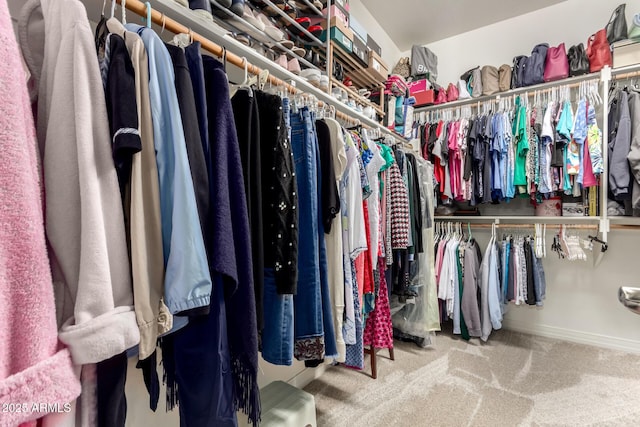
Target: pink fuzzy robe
34, 367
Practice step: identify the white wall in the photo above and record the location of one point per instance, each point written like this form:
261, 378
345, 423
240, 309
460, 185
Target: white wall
571, 22
582, 302
582, 299
390, 52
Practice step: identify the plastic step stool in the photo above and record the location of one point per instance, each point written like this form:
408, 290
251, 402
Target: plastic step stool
284, 405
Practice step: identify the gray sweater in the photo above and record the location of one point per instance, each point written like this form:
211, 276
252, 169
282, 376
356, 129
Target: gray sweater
469, 303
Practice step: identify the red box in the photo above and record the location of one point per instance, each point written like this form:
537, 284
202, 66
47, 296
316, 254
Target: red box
422, 92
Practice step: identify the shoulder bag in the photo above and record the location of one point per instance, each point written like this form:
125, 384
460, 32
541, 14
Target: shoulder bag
578, 61
463, 92
476, 83
452, 92
402, 68
617, 25
599, 51
490, 80
534, 70
556, 66
504, 77
517, 75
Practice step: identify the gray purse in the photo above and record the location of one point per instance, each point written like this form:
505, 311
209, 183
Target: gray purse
424, 63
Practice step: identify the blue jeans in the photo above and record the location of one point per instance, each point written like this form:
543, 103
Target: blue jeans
308, 323
277, 335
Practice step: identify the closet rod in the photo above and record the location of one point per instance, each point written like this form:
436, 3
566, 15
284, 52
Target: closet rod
526, 226
175, 27
543, 87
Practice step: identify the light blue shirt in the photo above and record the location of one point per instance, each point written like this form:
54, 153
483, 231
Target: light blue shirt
187, 283
495, 309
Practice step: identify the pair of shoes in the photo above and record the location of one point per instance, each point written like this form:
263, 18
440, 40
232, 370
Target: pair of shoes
292, 65
235, 6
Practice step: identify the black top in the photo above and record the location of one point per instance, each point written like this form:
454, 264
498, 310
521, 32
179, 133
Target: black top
330, 198
247, 119
122, 110
279, 189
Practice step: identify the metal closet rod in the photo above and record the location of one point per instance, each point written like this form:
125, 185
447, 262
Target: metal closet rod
175, 27
523, 226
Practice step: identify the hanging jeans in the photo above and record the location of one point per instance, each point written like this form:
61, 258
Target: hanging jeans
308, 324
277, 335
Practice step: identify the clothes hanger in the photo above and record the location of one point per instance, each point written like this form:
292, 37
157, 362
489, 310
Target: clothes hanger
233, 89
148, 19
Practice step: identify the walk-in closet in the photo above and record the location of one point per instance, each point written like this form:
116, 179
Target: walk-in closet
319, 213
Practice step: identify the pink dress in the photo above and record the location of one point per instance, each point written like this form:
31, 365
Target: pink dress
378, 331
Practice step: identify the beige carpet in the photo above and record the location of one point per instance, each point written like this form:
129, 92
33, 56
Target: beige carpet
513, 380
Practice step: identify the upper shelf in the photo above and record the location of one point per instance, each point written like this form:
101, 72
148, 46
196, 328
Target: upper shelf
355, 70
205, 28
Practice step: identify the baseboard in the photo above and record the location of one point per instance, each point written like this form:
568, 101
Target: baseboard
301, 379
571, 335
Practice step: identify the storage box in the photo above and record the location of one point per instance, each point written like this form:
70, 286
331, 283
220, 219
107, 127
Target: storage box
336, 22
340, 38
373, 45
376, 69
573, 209
358, 28
336, 12
360, 51
626, 52
377, 65
422, 92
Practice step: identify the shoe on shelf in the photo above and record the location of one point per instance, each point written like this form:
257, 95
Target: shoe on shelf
300, 51
223, 3
324, 82
274, 32
202, 8
294, 66
282, 61
245, 39
252, 19
239, 8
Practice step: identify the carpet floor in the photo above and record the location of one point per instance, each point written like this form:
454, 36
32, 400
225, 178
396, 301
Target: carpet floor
513, 380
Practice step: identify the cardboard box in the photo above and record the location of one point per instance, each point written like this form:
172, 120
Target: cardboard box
376, 68
336, 12
422, 92
626, 52
335, 22
358, 28
373, 45
340, 38
360, 51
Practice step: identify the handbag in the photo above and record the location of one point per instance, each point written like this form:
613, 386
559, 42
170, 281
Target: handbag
475, 83
504, 77
599, 51
534, 68
402, 68
463, 92
441, 98
578, 61
517, 74
556, 66
617, 25
424, 63
490, 80
452, 93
